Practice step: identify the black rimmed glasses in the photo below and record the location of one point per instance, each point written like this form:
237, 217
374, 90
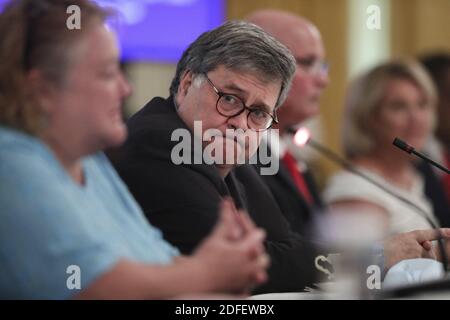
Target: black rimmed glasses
229, 105
314, 66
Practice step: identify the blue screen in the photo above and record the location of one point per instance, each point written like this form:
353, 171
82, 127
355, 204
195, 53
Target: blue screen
160, 30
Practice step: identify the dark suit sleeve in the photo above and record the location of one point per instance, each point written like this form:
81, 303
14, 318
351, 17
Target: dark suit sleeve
434, 191
173, 199
292, 256
292, 265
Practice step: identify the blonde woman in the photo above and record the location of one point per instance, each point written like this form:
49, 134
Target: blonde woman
64, 210
395, 99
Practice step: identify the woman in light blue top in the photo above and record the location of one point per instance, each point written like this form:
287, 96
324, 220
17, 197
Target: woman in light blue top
68, 225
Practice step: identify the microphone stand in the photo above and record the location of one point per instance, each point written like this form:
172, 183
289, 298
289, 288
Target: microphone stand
409, 149
350, 167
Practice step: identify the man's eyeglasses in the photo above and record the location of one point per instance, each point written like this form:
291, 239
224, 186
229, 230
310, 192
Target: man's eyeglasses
229, 105
313, 66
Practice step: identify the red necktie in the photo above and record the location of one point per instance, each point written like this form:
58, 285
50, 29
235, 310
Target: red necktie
447, 176
291, 164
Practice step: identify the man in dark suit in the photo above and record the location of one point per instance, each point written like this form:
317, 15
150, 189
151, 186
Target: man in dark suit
293, 185
231, 79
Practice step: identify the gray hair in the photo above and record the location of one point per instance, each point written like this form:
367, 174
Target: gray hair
364, 98
241, 47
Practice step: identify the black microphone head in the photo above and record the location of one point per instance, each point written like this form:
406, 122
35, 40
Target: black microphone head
291, 130
402, 145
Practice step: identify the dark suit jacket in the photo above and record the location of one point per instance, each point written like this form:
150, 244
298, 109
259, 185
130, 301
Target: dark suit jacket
434, 190
297, 211
182, 200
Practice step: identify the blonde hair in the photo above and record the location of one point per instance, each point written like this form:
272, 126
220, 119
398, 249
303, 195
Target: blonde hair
34, 35
364, 98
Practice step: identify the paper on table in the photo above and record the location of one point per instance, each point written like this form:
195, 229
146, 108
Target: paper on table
412, 271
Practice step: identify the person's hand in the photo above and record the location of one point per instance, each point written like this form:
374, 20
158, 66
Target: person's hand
410, 245
233, 256
435, 247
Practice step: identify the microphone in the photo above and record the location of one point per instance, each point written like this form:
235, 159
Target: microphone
409, 149
302, 138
